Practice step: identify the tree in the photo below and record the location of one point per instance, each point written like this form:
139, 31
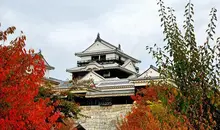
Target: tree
21, 74
65, 102
194, 68
154, 110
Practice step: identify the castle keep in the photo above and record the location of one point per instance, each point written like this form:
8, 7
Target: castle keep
114, 77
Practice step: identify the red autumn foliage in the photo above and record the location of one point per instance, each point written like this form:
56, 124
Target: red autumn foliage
150, 113
21, 74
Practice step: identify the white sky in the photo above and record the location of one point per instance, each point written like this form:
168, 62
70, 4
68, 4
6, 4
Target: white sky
61, 28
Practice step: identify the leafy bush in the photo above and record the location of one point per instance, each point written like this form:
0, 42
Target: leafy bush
154, 109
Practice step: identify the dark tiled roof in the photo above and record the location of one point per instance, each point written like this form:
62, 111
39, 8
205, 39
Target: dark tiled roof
116, 82
110, 93
54, 80
148, 78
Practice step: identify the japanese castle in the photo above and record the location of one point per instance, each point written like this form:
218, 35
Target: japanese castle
114, 74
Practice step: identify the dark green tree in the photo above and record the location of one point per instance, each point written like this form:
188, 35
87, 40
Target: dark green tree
193, 67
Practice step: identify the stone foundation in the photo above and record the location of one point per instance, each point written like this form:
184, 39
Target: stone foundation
102, 117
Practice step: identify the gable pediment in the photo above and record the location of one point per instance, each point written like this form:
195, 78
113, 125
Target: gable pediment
149, 73
129, 65
93, 76
97, 46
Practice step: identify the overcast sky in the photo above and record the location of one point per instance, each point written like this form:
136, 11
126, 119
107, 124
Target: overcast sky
61, 28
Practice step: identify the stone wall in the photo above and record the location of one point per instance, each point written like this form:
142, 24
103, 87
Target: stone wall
102, 117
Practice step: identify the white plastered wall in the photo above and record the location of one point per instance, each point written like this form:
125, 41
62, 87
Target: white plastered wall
92, 76
97, 46
109, 56
150, 73
130, 66
85, 58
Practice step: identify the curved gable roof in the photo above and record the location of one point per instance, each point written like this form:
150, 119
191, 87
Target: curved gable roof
106, 44
112, 49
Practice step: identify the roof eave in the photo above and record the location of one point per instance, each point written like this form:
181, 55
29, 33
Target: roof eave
127, 56
95, 52
78, 53
126, 70
73, 71
50, 67
50, 80
67, 70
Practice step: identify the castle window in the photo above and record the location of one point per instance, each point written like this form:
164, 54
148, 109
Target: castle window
103, 57
105, 101
95, 58
106, 74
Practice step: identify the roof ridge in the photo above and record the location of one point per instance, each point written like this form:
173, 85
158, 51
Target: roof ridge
98, 38
153, 67
102, 41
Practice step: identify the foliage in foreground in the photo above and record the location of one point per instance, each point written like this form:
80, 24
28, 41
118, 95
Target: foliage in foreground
68, 107
193, 67
21, 74
195, 70
155, 110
